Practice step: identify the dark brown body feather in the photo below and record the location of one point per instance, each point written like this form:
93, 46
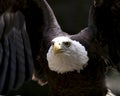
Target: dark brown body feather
89, 82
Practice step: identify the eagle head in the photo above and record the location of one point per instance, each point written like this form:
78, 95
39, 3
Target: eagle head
66, 55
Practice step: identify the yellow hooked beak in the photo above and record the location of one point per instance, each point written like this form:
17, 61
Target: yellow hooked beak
57, 48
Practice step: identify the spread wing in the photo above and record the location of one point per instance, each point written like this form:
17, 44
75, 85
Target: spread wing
16, 63
103, 30
30, 24
42, 27
107, 21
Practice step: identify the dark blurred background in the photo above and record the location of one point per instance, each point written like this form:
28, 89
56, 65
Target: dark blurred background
72, 16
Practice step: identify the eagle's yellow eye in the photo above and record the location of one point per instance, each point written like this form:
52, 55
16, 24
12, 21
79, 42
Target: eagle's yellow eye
67, 44
52, 43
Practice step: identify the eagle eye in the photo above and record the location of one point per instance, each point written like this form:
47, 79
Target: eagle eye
67, 44
52, 43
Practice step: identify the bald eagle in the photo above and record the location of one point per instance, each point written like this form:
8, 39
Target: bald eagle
73, 65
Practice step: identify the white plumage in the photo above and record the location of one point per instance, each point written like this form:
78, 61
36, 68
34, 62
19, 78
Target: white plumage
69, 59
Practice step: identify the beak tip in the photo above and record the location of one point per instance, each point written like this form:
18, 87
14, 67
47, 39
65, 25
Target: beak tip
56, 49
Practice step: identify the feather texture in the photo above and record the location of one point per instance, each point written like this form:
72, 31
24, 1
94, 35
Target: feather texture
16, 59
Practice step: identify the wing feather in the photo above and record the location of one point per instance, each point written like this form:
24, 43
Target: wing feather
104, 28
16, 64
107, 21
4, 65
